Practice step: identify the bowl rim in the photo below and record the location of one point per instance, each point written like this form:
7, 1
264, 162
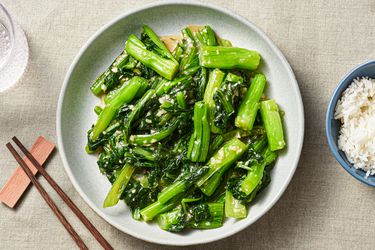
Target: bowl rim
329, 116
103, 28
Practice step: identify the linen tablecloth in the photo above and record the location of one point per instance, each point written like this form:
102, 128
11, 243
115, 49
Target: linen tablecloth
323, 207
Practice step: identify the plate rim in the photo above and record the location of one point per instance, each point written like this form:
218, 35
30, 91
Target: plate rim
67, 79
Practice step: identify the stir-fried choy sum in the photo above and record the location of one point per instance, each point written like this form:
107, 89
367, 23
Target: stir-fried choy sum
185, 133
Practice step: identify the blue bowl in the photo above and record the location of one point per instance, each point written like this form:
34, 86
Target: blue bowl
333, 126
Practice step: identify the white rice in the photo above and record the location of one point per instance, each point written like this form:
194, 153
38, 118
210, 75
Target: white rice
356, 111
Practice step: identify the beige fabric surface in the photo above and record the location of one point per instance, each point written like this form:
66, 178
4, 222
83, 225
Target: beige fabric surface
323, 207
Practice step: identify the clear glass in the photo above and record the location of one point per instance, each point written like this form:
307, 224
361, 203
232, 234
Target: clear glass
6, 36
14, 51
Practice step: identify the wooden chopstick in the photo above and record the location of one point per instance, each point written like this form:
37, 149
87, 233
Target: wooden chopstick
48, 199
103, 242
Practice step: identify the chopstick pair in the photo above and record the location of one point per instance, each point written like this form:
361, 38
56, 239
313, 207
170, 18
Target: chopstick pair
61, 193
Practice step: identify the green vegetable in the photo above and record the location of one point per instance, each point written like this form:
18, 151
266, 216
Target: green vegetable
250, 103
189, 63
98, 110
200, 78
228, 58
173, 221
224, 42
112, 94
223, 109
166, 86
181, 184
233, 207
181, 101
215, 219
255, 173
272, 122
215, 79
186, 201
202, 216
155, 43
206, 36
144, 153
136, 111
219, 163
200, 139
154, 209
253, 154
217, 141
177, 53
118, 186
110, 78
138, 196
110, 110
164, 67
148, 139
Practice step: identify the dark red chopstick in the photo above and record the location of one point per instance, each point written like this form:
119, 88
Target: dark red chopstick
103, 242
48, 199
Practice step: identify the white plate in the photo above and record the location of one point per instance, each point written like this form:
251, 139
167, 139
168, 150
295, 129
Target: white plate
75, 113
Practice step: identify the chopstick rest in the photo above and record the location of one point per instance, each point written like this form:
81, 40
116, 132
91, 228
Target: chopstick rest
18, 182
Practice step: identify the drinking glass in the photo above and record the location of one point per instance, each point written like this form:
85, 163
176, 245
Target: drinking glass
14, 52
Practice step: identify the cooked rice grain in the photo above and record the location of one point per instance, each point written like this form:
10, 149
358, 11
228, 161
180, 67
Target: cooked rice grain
356, 111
